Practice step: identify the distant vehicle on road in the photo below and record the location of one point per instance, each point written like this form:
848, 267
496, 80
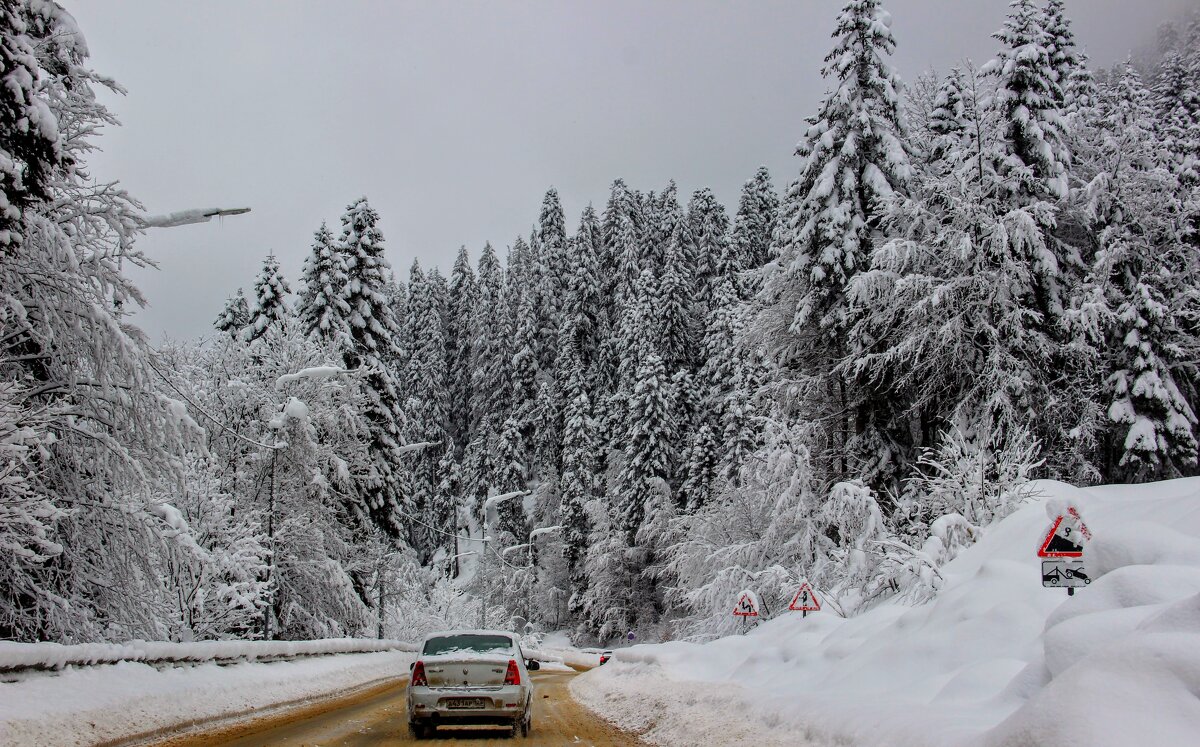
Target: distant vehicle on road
470, 677
604, 653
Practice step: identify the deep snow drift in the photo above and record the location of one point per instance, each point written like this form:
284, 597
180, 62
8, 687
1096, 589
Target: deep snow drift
994, 659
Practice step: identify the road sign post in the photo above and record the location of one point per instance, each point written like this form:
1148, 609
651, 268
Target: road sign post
1062, 552
747, 607
805, 601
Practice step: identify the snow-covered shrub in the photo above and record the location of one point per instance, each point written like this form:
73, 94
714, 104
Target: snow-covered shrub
964, 485
758, 534
214, 561
854, 533
28, 514
982, 480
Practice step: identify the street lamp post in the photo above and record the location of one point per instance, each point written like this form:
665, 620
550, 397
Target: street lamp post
188, 217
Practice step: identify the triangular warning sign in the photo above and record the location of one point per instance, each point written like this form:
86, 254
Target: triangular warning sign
805, 600
1065, 538
746, 606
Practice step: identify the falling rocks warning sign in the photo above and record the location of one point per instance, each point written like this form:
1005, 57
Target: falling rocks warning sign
1066, 536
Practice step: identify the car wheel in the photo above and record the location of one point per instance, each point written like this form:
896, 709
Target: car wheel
418, 731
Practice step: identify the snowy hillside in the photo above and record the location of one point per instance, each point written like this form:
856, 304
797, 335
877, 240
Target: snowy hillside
994, 659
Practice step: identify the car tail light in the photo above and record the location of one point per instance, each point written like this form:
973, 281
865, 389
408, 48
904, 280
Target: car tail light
418, 675
603, 659
513, 675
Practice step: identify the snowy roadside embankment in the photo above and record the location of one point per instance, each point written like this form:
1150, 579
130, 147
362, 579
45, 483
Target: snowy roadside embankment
570, 658
994, 659
14, 656
95, 705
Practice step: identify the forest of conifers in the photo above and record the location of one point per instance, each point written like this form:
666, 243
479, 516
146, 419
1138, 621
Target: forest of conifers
984, 276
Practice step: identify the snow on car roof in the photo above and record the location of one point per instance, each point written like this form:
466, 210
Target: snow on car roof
470, 631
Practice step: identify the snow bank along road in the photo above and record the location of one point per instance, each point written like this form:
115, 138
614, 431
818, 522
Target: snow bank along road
994, 660
378, 717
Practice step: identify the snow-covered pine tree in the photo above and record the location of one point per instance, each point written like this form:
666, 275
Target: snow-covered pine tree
417, 308
664, 216
753, 227
373, 331
321, 309
1034, 157
524, 371
701, 467
853, 162
235, 316
724, 368
270, 309
929, 320
397, 296
1159, 423
676, 299
29, 130
618, 552
1126, 306
520, 278
1031, 160
1177, 98
578, 479
649, 431
619, 273
492, 343
463, 294
427, 403
546, 438
443, 510
491, 393
508, 466
948, 119
583, 304
710, 245
619, 258
1066, 60
554, 268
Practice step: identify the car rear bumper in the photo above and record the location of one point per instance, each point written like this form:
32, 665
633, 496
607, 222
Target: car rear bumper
504, 705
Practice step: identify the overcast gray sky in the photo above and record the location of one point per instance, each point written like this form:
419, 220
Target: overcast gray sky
455, 117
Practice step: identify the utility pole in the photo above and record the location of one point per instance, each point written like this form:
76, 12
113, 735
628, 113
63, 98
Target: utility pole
484, 599
490, 518
270, 541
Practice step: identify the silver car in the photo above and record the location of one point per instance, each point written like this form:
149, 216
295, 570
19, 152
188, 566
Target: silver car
469, 677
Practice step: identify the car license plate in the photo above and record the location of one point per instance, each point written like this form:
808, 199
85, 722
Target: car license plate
467, 703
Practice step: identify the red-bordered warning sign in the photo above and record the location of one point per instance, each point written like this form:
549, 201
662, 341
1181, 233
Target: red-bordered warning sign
1066, 536
805, 600
747, 606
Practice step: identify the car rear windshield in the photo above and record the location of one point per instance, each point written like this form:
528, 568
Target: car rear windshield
483, 644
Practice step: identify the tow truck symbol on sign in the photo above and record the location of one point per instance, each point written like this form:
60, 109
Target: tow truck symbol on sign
1064, 574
